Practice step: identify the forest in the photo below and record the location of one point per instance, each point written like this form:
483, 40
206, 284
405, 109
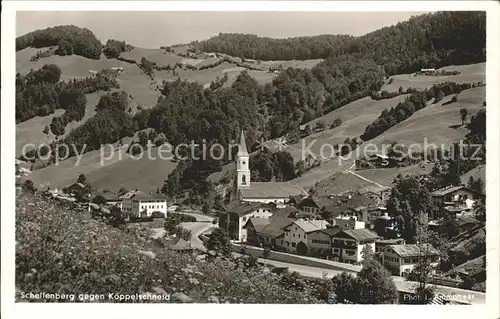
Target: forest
69, 38
40, 93
425, 41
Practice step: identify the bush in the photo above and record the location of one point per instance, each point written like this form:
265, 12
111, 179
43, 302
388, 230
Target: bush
53, 255
82, 41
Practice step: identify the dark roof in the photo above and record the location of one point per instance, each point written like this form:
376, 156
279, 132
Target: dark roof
310, 225
361, 234
140, 195
395, 241
466, 220
242, 208
257, 223
448, 190
271, 190
276, 226
353, 202
287, 212
110, 197
297, 199
329, 231
413, 250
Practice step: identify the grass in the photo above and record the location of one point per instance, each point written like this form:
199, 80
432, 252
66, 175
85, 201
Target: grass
478, 172
343, 181
111, 174
159, 56
305, 64
132, 80
60, 248
468, 73
439, 124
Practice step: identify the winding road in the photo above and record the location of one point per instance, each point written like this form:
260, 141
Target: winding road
202, 224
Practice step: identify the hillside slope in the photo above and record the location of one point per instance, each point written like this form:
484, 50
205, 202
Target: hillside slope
60, 248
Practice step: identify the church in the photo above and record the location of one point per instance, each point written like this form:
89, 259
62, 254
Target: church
263, 192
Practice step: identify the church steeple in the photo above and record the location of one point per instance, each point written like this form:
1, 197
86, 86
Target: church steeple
242, 165
242, 148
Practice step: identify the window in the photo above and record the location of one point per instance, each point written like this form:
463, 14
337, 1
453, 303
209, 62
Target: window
287, 243
293, 234
407, 260
244, 219
282, 242
298, 235
293, 245
244, 180
349, 252
304, 236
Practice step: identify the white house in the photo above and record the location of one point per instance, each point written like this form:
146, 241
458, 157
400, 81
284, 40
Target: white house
296, 234
347, 245
401, 259
139, 204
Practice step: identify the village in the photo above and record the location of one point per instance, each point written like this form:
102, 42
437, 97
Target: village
284, 219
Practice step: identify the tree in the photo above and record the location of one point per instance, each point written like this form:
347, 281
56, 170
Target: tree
409, 201
122, 190
64, 48
219, 242
480, 210
463, 115
320, 125
46, 130
207, 208
367, 252
29, 186
476, 184
82, 179
439, 96
99, 200
345, 288
423, 269
266, 253
375, 284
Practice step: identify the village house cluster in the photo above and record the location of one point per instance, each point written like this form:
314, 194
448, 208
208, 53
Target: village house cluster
284, 217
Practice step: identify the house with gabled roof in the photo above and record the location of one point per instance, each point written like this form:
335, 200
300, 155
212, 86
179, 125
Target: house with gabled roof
401, 259
297, 232
271, 235
348, 244
319, 241
459, 197
236, 214
138, 204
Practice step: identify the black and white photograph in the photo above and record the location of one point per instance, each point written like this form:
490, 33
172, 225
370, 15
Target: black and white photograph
180, 156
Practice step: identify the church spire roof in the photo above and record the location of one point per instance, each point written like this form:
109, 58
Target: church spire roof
242, 148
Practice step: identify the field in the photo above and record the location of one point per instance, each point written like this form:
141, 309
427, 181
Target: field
478, 172
437, 123
468, 73
343, 181
305, 64
112, 172
355, 117
159, 56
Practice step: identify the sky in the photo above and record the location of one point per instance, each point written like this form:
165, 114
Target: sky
155, 29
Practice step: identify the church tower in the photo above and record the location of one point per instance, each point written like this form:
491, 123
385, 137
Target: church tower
242, 178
